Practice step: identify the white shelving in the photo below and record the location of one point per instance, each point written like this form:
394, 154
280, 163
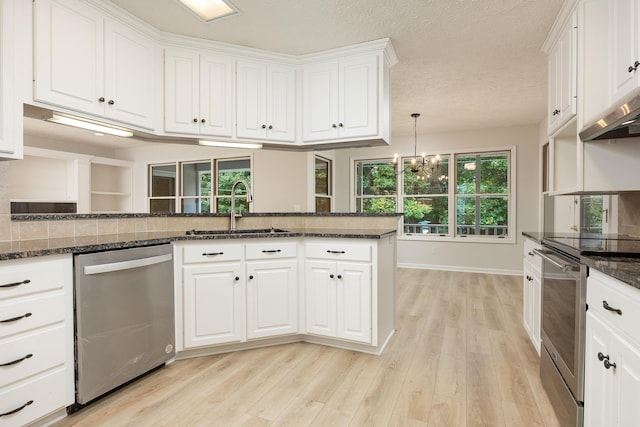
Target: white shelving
111, 185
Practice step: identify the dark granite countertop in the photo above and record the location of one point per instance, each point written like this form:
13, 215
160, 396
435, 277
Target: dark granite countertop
626, 270
534, 235
78, 245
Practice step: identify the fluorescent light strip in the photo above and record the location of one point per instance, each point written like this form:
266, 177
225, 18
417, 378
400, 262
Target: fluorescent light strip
229, 144
89, 125
210, 10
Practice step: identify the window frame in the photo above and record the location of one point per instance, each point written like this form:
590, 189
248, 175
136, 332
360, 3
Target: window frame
179, 197
330, 191
452, 235
352, 181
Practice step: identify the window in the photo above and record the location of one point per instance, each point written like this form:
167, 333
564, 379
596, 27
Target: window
426, 200
482, 194
199, 192
468, 194
376, 186
323, 193
162, 188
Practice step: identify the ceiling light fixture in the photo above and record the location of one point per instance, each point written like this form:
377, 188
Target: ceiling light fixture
210, 10
423, 166
229, 144
89, 125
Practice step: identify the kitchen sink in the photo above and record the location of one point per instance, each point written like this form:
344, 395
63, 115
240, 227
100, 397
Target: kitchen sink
238, 231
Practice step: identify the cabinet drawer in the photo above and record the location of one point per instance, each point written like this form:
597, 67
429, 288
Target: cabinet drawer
211, 253
45, 393
32, 353
269, 250
603, 289
23, 314
24, 277
529, 246
338, 251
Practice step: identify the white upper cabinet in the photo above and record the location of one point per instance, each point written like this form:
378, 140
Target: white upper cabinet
91, 64
624, 50
266, 101
341, 99
563, 76
199, 96
11, 73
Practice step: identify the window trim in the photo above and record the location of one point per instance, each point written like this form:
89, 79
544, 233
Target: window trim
452, 236
330, 189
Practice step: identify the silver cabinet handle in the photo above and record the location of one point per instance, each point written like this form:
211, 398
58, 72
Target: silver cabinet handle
126, 265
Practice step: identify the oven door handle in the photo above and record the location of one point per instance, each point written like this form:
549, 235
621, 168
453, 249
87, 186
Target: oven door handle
546, 255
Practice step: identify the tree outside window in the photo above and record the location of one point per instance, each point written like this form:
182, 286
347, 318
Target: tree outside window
376, 186
426, 199
323, 196
482, 194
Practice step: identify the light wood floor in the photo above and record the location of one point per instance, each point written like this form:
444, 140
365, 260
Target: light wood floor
460, 357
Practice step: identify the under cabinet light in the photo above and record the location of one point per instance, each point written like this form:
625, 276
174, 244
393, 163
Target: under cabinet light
229, 144
89, 125
210, 10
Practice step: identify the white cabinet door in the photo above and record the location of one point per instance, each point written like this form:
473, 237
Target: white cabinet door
358, 93
131, 67
598, 399
216, 96
69, 68
266, 101
563, 77
199, 94
339, 299
341, 99
272, 298
181, 91
213, 297
321, 102
321, 298
624, 57
354, 301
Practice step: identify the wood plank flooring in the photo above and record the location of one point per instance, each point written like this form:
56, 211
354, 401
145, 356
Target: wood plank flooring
460, 357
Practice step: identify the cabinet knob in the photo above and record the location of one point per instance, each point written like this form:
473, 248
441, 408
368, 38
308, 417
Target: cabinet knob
331, 276
263, 126
111, 102
608, 364
531, 253
251, 277
340, 124
195, 120
202, 121
101, 99
237, 278
339, 276
270, 127
334, 126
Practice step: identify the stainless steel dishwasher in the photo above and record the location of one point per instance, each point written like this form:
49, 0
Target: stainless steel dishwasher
124, 309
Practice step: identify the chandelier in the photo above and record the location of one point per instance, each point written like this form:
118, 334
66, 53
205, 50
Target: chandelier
422, 166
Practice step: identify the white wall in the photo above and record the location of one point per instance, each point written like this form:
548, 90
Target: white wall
463, 256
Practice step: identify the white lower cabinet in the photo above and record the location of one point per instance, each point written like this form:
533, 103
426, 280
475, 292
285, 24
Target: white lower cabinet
338, 301
272, 298
612, 353
532, 292
213, 301
36, 338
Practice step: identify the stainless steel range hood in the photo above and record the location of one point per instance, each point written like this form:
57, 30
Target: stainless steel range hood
622, 121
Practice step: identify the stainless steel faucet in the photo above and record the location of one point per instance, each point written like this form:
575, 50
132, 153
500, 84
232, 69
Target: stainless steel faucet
233, 201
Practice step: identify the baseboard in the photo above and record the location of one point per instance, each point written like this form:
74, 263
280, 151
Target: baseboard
461, 269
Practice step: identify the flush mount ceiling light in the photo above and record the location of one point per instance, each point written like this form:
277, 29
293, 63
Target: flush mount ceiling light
89, 125
210, 10
229, 144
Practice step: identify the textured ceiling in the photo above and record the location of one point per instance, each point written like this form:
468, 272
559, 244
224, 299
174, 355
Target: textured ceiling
463, 64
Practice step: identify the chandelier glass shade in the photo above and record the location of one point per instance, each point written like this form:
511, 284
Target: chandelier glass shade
423, 166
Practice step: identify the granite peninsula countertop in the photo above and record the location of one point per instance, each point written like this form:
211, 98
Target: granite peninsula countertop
626, 270
77, 245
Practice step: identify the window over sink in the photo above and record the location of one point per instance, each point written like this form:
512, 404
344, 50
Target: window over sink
203, 186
